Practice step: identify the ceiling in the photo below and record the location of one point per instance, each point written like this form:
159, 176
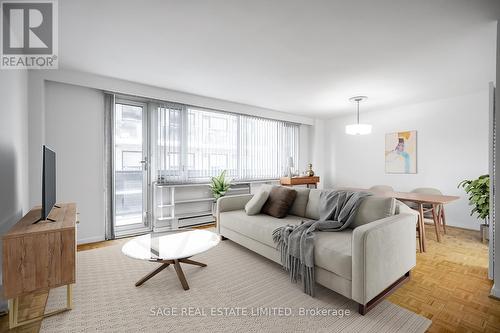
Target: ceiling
303, 57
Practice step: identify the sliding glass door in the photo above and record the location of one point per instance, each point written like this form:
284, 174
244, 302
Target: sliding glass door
131, 167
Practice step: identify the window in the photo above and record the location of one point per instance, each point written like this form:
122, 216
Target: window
131, 160
129, 145
212, 144
265, 146
168, 142
130, 113
194, 144
128, 124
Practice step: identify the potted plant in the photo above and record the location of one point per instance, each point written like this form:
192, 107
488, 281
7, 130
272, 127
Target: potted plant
479, 198
219, 186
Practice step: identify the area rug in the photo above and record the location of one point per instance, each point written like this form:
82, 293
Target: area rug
239, 291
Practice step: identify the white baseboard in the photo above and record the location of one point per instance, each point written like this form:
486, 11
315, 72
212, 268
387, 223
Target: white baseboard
495, 291
90, 240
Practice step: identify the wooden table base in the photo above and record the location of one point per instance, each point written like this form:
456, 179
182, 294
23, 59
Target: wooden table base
178, 270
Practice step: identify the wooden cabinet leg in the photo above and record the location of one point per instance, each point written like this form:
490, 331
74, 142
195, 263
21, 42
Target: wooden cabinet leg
13, 313
14, 310
69, 296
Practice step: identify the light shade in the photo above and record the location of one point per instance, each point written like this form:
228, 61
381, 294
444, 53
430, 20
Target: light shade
358, 129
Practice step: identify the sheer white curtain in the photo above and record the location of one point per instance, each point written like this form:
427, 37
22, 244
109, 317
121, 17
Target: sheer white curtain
169, 143
212, 144
266, 146
194, 144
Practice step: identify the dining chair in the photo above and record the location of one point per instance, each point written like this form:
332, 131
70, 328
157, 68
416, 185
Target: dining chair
381, 188
434, 212
403, 208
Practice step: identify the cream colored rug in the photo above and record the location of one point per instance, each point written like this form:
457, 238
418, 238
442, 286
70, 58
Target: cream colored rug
239, 291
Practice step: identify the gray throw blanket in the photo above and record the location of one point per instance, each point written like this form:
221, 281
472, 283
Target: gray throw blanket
296, 242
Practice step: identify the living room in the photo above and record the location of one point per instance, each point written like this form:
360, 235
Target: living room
249, 166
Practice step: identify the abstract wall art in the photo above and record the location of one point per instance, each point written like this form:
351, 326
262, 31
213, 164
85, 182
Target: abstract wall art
401, 152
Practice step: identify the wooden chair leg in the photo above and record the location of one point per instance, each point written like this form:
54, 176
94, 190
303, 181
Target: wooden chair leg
443, 219
436, 222
422, 226
419, 233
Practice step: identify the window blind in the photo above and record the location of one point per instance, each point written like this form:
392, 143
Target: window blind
212, 144
265, 148
195, 144
169, 143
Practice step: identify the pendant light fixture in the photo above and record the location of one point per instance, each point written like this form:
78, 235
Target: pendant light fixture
358, 129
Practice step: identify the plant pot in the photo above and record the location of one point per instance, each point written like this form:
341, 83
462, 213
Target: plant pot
214, 208
485, 233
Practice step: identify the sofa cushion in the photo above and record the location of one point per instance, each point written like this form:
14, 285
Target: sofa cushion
258, 227
255, 204
312, 208
332, 250
279, 202
373, 208
300, 203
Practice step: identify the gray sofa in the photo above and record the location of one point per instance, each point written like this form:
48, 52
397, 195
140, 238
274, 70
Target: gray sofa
364, 263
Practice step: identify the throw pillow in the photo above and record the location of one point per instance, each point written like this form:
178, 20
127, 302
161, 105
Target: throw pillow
312, 208
255, 204
373, 208
279, 202
300, 203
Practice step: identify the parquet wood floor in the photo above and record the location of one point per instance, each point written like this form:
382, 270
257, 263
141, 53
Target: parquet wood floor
449, 286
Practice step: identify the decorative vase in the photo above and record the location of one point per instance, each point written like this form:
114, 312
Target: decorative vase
309, 171
214, 207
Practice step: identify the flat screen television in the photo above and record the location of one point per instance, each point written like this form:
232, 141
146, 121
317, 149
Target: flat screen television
48, 182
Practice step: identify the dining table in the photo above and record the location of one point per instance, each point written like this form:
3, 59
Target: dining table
437, 201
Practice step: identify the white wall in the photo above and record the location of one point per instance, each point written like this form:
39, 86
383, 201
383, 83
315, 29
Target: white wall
13, 151
153, 92
452, 145
319, 147
66, 112
74, 128
304, 147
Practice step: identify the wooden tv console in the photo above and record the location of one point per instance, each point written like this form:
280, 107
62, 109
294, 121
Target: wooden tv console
39, 257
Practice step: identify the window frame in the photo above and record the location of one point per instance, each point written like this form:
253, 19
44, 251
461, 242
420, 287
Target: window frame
146, 224
183, 177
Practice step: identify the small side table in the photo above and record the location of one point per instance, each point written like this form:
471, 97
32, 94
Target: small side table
310, 182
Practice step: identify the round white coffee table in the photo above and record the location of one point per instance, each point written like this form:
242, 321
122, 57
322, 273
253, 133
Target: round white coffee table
171, 248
